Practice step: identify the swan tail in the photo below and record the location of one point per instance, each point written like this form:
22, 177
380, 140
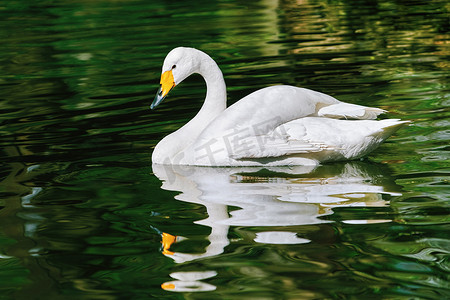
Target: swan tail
389, 126
350, 111
381, 130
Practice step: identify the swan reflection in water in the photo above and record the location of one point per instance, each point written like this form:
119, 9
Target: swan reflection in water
269, 198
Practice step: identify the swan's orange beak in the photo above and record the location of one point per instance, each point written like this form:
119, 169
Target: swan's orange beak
167, 83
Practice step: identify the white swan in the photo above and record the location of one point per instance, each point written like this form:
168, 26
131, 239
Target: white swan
274, 126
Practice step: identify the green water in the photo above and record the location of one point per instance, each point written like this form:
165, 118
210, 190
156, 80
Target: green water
84, 213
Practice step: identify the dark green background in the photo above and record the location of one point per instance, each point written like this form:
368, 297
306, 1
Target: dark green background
82, 213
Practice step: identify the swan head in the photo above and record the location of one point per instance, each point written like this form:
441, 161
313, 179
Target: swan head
178, 65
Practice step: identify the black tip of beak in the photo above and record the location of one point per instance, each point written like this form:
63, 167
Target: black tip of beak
158, 99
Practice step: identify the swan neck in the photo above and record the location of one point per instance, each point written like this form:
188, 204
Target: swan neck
216, 96
170, 149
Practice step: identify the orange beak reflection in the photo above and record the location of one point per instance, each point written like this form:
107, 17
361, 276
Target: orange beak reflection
167, 241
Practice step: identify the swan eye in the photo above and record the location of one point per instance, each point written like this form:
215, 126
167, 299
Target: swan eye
174, 66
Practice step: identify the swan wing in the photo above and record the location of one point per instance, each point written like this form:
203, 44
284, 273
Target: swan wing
344, 110
268, 108
318, 138
287, 139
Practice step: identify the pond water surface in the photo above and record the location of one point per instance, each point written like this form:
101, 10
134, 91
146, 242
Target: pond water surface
85, 215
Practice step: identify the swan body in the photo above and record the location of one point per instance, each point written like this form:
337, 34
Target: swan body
274, 126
